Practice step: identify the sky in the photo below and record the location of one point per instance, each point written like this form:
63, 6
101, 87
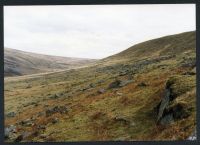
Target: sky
92, 31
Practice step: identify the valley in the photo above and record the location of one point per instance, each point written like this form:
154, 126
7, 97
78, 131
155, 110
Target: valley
147, 92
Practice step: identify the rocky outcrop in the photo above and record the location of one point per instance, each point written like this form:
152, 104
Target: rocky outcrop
169, 109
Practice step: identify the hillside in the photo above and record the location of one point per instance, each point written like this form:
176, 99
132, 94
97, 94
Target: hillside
17, 63
147, 92
168, 45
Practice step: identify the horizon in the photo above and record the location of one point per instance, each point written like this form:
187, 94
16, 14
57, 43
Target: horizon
101, 30
5, 47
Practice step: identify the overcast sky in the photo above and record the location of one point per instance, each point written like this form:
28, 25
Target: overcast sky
95, 31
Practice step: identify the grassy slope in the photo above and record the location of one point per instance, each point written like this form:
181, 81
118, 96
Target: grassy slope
125, 113
18, 62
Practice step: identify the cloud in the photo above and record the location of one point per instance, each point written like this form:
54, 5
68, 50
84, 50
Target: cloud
94, 31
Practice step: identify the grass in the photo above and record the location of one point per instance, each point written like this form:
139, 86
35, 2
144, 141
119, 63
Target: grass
123, 113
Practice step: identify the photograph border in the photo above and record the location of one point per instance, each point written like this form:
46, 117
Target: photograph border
100, 2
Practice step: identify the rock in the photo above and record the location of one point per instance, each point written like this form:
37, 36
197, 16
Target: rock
101, 91
189, 73
119, 94
142, 84
121, 139
19, 138
27, 122
180, 110
125, 82
11, 114
40, 114
9, 130
29, 86
169, 108
42, 127
92, 85
23, 136
167, 119
43, 136
122, 120
193, 136
54, 120
122, 73
163, 104
56, 109
114, 84
189, 62
132, 124
55, 96
119, 83
100, 81
84, 89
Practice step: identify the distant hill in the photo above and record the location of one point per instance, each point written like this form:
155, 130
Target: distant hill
17, 63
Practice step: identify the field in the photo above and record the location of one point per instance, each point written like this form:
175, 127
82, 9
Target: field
147, 92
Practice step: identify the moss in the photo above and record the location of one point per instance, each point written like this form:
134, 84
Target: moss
180, 84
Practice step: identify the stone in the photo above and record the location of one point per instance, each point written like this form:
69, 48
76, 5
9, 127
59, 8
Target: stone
11, 114
114, 84
42, 127
92, 85
167, 119
9, 130
27, 122
122, 120
101, 91
123, 73
125, 82
54, 120
163, 105
19, 138
193, 136
119, 94
189, 73
55, 96
56, 109
132, 124
40, 114
142, 84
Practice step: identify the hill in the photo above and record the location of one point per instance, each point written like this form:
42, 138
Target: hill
17, 63
168, 45
147, 92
